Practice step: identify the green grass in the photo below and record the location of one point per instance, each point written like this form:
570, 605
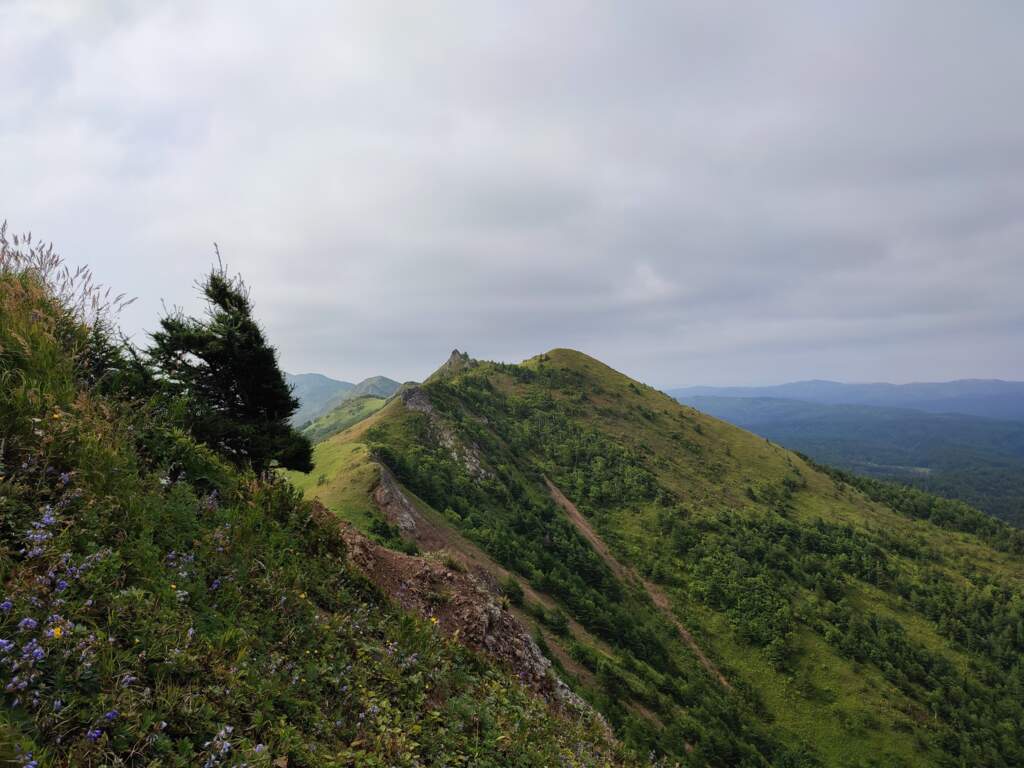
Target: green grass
342, 481
350, 412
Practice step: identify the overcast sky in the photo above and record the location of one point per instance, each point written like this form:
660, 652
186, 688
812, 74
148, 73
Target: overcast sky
705, 192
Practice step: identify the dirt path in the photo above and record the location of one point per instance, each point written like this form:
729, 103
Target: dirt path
628, 575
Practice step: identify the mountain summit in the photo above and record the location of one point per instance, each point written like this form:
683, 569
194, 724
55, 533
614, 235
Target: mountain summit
456, 363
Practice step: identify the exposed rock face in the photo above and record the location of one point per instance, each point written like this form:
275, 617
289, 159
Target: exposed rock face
462, 606
400, 511
456, 362
416, 399
395, 505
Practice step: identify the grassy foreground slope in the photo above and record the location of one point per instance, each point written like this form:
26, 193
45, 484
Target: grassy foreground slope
850, 629
160, 608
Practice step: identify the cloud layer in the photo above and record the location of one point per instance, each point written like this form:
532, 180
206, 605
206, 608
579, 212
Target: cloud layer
694, 192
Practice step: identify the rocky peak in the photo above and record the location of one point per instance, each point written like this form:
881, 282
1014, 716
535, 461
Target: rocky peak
456, 363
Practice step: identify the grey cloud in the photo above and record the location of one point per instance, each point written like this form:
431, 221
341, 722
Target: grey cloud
693, 192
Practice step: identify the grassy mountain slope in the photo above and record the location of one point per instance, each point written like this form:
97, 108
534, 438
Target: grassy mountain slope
319, 395
160, 608
375, 386
340, 418
978, 460
314, 391
848, 628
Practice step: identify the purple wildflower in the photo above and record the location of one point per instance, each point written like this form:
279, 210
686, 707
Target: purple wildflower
112, 715
27, 624
62, 585
93, 734
6, 606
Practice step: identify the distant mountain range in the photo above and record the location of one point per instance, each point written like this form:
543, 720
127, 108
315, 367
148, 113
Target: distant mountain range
962, 439
991, 398
319, 394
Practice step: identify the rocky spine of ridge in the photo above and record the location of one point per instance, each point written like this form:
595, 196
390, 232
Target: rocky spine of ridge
466, 607
415, 398
456, 363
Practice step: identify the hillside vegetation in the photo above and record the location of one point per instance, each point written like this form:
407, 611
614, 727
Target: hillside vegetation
319, 396
978, 460
314, 392
160, 607
341, 417
720, 599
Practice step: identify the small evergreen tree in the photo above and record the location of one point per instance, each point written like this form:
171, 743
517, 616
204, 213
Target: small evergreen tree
234, 394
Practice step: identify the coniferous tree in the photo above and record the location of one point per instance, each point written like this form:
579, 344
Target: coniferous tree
235, 395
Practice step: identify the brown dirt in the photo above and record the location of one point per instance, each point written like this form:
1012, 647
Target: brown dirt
628, 575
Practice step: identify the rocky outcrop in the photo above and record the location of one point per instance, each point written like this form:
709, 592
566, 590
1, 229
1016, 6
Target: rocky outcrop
399, 510
462, 606
396, 506
456, 363
415, 398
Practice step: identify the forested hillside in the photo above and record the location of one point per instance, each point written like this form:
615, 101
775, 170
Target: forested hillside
719, 598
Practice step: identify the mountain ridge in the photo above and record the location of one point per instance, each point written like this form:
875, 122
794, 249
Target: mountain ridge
165, 605
319, 394
696, 507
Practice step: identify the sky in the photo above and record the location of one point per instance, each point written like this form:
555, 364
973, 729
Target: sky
693, 192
